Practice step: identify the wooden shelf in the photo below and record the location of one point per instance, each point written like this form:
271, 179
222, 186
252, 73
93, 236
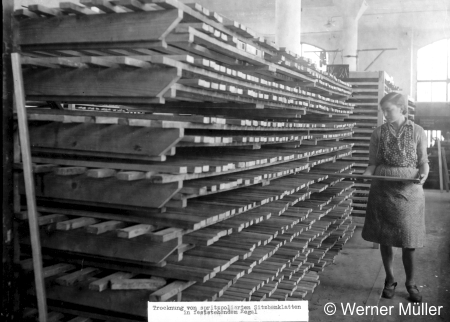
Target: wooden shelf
368, 86
187, 156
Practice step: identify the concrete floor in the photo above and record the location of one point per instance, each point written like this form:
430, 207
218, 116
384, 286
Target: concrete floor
357, 276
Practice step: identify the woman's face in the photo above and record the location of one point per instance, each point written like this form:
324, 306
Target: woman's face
392, 112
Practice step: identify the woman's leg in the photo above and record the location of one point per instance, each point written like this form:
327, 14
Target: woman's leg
387, 255
408, 263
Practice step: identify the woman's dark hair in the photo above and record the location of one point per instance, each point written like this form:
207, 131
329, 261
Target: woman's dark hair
396, 99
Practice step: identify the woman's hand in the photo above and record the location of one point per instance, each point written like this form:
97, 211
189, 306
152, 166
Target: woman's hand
424, 169
369, 171
422, 178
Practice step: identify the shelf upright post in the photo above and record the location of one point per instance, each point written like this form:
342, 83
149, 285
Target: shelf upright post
19, 95
10, 294
381, 93
405, 99
441, 175
380, 120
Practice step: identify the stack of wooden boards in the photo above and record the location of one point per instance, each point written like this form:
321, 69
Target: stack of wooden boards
173, 53
198, 182
368, 89
411, 108
31, 314
267, 260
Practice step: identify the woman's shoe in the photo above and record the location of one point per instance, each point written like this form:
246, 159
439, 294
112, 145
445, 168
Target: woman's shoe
414, 293
389, 291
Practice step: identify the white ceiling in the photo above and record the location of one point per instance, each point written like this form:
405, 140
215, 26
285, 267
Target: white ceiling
381, 14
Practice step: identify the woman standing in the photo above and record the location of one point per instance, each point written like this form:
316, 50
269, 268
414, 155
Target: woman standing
396, 210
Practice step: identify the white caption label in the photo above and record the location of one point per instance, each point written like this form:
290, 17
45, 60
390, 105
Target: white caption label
229, 311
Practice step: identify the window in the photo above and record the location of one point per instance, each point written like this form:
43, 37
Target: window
432, 135
433, 72
316, 54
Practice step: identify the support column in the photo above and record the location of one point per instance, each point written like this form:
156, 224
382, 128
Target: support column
259, 15
406, 64
288, 24
415, 50
351, 11
349, 42
279, 20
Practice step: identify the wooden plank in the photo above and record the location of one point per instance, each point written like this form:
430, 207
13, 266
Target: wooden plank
77, 276
172, 219
438, 141
57, 269
19, 95
96, 29
164, 235
42, 168
38, 62
20, 14
136, 249
97, 85
213, 264
80, 319
445, 169
45, 117
130, 175
170, 290
172, 107
102, 284
55, 317
76, 223
129, 62
71, 7
78, 119
69, 171
141, 193
134, 5
104, 5
44, 11
45, 220
101, 173
97, 62
123, 118
185, 273
202, 292
134, 231
150, 284
115, 303
105, 226
357, 176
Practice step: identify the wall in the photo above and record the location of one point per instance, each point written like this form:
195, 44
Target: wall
397, 63
433, 115
433, 109
400, 63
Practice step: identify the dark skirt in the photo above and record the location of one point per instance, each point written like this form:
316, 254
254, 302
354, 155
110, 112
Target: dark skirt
395, 214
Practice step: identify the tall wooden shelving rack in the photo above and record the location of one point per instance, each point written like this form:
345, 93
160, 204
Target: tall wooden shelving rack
185, 168
368, 89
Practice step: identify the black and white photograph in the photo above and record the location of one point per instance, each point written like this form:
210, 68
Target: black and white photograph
226, 161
